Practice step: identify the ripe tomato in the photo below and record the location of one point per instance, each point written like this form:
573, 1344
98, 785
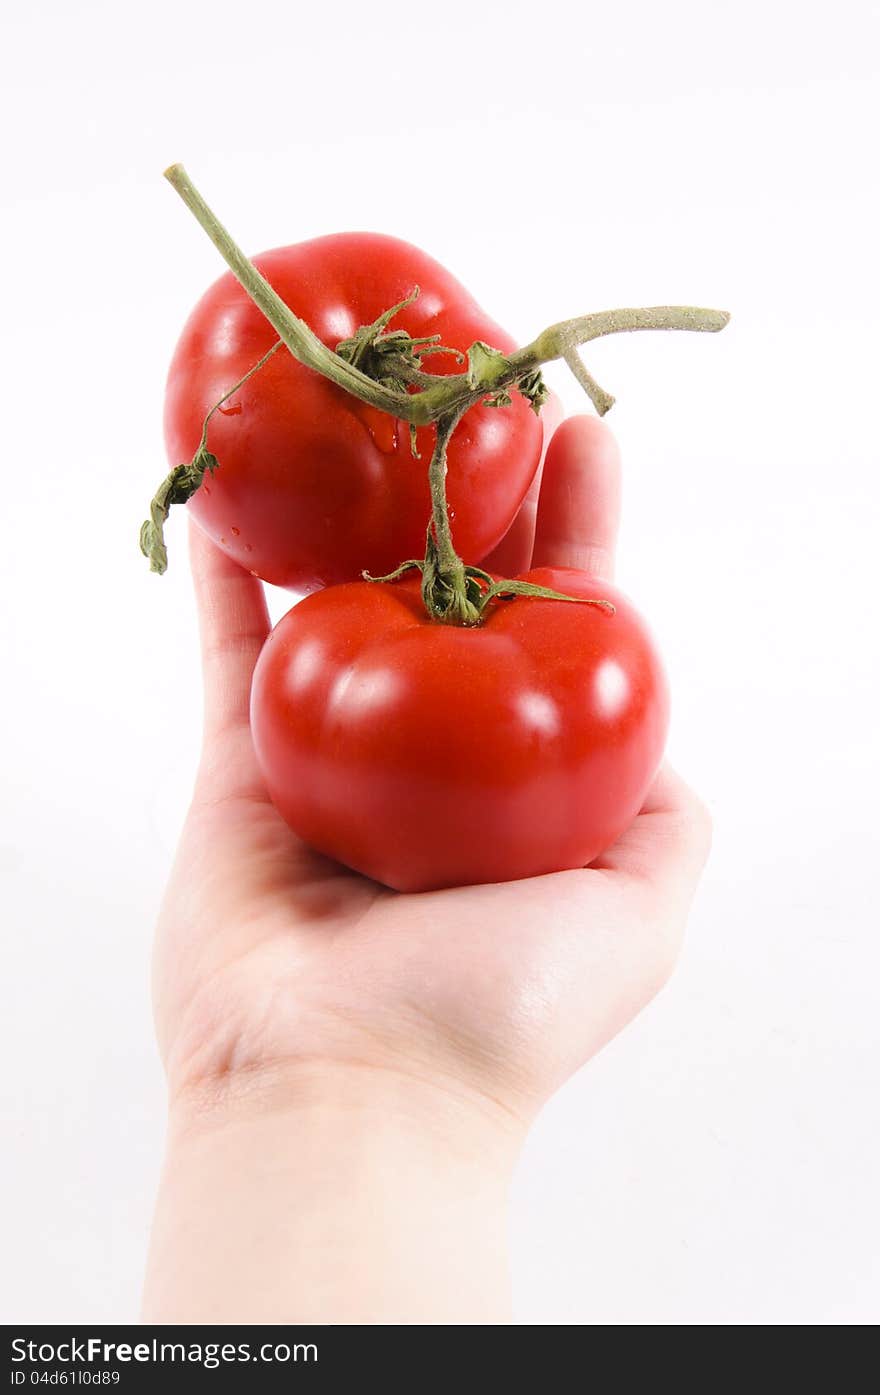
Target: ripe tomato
314, 486
427, 755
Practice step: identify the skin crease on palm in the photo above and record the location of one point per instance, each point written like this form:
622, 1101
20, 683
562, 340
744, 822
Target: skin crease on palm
274, 965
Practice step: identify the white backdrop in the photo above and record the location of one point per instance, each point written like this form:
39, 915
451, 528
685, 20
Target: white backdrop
718, 1163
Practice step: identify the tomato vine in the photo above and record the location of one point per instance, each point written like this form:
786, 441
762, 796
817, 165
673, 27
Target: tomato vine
382, 368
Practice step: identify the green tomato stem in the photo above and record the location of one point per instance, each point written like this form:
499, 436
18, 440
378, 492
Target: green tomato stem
447, 590
302, 342
455, 392
182, 482
453, 593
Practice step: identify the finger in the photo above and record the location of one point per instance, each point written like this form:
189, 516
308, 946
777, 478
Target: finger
514, 552
666, 847
234, 623
579, 507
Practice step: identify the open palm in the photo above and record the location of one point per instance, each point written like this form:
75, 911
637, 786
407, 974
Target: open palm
269, 955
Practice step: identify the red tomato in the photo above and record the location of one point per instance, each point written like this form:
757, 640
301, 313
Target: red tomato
427, 755
314, 486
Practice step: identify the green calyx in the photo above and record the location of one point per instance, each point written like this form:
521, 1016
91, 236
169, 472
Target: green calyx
463, 596
392, 357
453, 592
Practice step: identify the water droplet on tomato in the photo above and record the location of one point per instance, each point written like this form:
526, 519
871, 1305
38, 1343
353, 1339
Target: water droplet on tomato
222, 542
206, 489
386, 440
451, 513
236, 532
248, 548
383, 430
233, 410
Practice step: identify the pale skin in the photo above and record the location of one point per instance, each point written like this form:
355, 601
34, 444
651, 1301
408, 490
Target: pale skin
352, 1072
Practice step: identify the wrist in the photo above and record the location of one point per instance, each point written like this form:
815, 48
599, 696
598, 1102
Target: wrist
377, 1099
380, 1197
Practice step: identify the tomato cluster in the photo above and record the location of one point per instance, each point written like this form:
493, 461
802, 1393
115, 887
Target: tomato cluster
422, 754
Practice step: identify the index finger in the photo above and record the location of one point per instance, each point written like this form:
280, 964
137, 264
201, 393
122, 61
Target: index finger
234, 623
579, 507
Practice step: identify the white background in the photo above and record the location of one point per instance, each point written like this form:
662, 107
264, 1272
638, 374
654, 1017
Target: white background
719, 1162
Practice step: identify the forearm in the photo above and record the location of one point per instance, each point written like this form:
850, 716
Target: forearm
342, 1199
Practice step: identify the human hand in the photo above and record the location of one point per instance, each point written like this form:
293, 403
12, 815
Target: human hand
282, 978
270, 955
